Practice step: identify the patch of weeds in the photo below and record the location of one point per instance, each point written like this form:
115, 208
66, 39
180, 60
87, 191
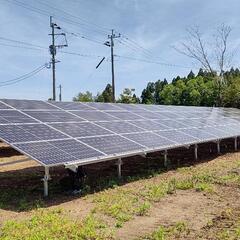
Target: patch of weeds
163, 233
185, 169
228, 179
143, 209
16, 199
171, 188
118, 203
204, 187
54, 225
205, 177
155, 192
184, 184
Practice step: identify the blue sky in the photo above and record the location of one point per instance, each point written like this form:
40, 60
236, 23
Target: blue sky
154, 24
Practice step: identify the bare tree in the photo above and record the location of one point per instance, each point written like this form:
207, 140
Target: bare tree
208, 55
214, 58
222, 55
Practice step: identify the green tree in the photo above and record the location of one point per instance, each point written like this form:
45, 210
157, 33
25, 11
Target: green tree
106, 95
127, 96
148, 94
84, 97
231, 95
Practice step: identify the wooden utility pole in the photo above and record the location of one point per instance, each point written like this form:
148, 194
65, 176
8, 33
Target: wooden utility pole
52, 49
53, 52
111, 37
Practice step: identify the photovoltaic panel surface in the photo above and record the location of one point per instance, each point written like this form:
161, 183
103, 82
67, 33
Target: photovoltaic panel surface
120, 127
53, 116
150, 140
56, 133
112, 144
94, 115
13, 116
78, 130
28, 104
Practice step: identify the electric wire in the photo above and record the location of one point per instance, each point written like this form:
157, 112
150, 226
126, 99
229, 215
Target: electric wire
23, 77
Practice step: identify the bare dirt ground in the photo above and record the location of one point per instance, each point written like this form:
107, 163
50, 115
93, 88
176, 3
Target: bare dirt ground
207, 214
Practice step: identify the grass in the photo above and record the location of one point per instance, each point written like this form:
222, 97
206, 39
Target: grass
16, 199
119, 203
163, 233
54, 225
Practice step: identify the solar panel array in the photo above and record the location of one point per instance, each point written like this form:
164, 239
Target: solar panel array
57, 133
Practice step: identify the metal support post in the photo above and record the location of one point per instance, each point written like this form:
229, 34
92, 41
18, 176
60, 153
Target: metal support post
165, 159
235, 144
218, 147
119, 166
196, 151
45, 181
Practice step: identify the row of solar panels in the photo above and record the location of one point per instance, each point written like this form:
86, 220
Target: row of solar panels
54, 106
55, 136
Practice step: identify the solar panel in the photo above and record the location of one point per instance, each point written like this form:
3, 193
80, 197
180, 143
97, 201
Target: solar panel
124, 115
148, 115
113, 144
150, 125
85, 129
120, 127
177, 137
43, 132
94, 115
56, 133
72, 106
13, 133
103, 106
13, 116
150, 140
28, 104
172, 123
76, 149
4, 106
200, 134
45, 152
53, 116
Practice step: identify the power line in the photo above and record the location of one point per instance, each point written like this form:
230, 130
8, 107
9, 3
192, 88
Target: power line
76, 17
81, 54
79, 35
16, 46
155, 62
23, 77
48, 13
22, 42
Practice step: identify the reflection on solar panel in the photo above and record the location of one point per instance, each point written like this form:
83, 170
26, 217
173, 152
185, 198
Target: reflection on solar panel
57, 133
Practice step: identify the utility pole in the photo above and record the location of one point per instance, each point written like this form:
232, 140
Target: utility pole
53, 52
60, 93
111, 44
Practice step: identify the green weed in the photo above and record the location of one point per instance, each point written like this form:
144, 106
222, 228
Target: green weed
54, 225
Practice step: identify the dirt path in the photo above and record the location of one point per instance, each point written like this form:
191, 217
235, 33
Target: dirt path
194, 208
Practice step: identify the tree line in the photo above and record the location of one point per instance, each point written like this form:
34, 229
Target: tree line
201, 89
